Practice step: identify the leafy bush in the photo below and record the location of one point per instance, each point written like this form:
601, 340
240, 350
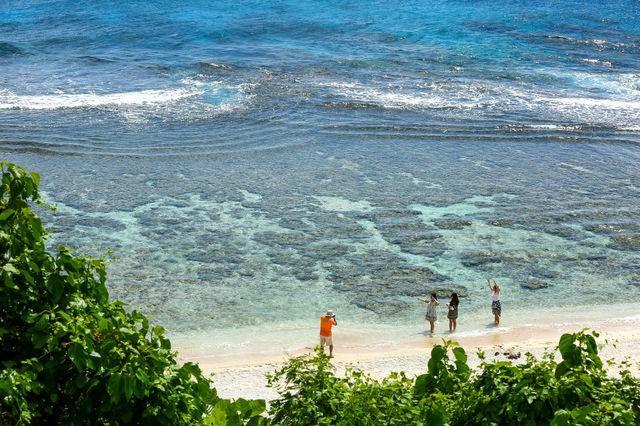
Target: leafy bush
575, 391
443, 376
311, 393
68, 355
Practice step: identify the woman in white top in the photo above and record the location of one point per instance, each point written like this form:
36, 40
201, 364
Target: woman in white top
495, 301
432, 315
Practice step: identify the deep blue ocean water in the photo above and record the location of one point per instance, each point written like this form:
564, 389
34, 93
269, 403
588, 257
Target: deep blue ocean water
257, 160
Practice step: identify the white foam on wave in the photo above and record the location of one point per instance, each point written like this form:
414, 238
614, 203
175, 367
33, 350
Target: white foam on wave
406, 97
204, 97
9, 100
614, 113
612, 83
250, 196
576, 168
616, 104
610, 104
597, 61
562, 127
597, 42
216, 65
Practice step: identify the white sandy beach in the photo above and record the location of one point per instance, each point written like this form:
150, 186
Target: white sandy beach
244, 377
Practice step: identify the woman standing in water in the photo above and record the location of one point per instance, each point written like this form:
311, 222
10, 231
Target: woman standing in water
453, 311
495, 301
432, 315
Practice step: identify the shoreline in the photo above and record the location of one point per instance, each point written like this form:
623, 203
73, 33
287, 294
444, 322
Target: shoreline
244, 377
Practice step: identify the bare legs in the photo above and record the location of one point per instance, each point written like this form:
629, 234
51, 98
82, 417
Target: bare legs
324, 342
432, 326
452, 325
497, 317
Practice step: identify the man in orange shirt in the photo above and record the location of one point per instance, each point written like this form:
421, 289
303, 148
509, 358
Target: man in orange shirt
326, 322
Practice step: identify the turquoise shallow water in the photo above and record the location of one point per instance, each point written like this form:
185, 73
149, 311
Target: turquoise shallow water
255, 164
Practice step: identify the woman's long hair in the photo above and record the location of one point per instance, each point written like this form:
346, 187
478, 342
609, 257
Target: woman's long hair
454, 299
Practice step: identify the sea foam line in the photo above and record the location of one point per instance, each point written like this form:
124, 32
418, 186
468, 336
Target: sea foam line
472, 96
9, 100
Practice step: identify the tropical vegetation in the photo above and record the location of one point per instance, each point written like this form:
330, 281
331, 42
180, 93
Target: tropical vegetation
69, 355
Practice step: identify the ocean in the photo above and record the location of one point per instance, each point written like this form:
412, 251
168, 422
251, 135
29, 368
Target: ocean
253, 164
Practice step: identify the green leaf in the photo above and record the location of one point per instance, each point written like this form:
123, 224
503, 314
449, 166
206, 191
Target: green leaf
460, 354
55, 286
28, 187
569, 351
165, 343
36, 227
127, 331
103, 294
114, 387
592, 347
103, 325
561, 370
561, 418
139, 389
10, 268
581, 414
5, 214
27, 276
107, 346
586, 379
257, 407
42, 325
142, 376
423, 384
218, 415
77, 355
242, 406
34, 267
8, 282
36, 177
437, 353
128, 384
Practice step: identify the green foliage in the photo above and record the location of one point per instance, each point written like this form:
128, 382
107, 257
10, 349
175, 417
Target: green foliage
575, 391
239, 412
311, 393
444, 376
579, 352
503, 393
67, 354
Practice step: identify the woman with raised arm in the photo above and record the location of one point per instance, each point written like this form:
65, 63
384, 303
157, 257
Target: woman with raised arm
432, 315
495, 301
